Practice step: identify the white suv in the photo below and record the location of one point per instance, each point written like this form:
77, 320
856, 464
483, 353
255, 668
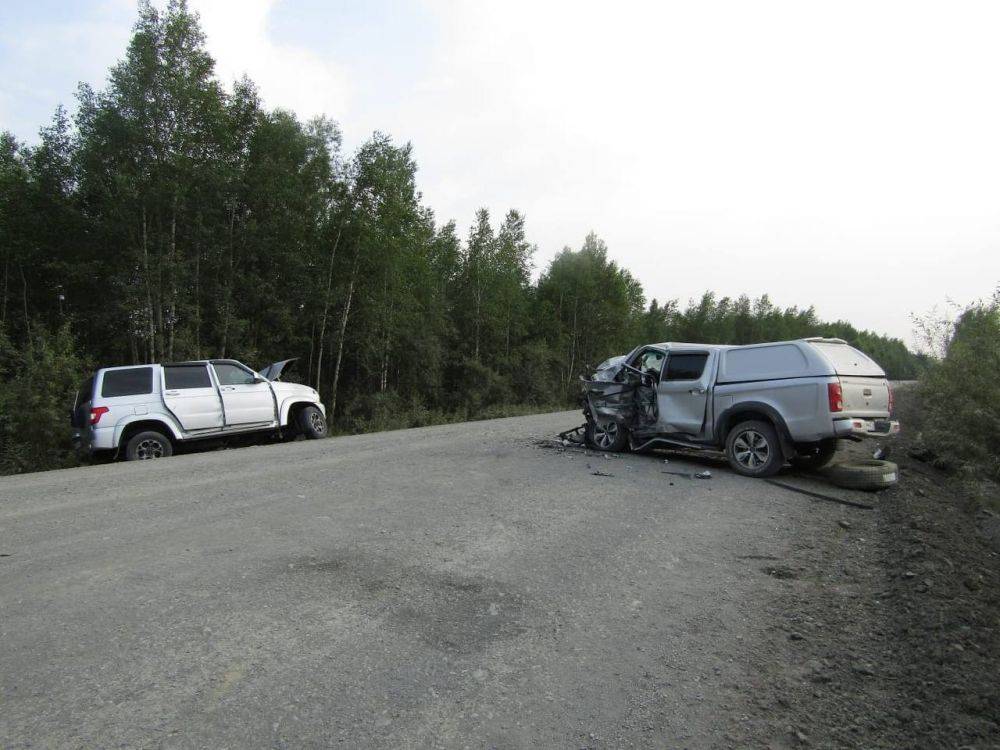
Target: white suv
143, 411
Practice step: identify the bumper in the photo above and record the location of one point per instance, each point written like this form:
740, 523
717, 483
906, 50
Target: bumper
88, 441
862, 428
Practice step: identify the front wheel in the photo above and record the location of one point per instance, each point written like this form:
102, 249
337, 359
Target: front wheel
312, 423
753, 449
148, 445
610, 437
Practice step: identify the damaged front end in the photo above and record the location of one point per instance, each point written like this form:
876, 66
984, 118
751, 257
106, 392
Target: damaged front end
620, 394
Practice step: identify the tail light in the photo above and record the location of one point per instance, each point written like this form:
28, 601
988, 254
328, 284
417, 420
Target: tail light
835, 393
97, 412
892, 398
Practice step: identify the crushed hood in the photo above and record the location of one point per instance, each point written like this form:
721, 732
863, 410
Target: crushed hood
609, 368
273, 371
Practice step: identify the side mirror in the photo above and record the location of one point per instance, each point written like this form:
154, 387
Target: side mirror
257, 380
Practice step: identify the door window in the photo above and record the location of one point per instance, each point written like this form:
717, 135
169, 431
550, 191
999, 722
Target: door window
230, 374
186, 376
650, 362
685, 366
131, 382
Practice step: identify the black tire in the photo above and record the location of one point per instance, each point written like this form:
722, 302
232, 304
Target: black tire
864, 474
311, 423
817, 456
147, 445
610, 437
754, 450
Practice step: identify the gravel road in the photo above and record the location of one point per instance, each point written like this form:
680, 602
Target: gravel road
452, 586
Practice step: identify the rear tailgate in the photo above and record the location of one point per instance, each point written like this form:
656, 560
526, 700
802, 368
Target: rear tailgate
865, 397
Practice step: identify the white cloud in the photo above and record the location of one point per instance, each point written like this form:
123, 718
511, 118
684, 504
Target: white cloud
290, 77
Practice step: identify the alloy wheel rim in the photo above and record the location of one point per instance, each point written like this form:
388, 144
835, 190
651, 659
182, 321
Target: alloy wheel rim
605, 435
149, 449
751, 449
317, 422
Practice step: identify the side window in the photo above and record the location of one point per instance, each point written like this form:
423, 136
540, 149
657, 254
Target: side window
650, 361
232, 375
186, 376
685, 366
131, 382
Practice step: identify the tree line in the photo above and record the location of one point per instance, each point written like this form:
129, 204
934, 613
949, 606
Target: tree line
173, 218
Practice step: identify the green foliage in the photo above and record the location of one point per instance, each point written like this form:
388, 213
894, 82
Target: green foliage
173, 219
960, 394
37, 383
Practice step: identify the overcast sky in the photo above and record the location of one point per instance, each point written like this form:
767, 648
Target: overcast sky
843, 155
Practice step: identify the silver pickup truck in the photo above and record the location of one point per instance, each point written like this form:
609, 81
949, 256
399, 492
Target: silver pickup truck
763, 404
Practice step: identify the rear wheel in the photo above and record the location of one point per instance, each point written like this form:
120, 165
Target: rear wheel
753, 449
312, 423
610, 436
145, 446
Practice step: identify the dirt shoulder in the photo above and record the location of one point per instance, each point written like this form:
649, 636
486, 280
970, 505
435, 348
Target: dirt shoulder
888, 634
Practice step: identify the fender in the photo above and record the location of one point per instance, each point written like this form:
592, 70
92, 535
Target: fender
290, 401
168, 421
784, 435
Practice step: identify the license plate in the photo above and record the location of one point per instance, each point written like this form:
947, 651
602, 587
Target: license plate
890, 477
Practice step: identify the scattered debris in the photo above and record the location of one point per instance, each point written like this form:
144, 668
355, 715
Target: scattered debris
689, 474
600, 473
844, 524
780, 571
818, 495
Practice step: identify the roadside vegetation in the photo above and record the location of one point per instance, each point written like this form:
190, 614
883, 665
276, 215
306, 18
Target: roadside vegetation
173, 217
956, 416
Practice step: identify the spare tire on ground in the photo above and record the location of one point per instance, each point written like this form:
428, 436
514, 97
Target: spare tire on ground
864, 474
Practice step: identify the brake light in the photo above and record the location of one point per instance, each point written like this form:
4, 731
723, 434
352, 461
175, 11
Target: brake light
97, 412
892, 398
835, 393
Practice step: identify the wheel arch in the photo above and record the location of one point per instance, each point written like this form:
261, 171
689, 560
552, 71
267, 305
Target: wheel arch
747, 410
292, 405
135, 426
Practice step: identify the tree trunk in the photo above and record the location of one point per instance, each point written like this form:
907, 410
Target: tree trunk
6, 276
172, 276
197, 302
326, 306
24, 299
572, 354
149, 290
227, 294
343, 330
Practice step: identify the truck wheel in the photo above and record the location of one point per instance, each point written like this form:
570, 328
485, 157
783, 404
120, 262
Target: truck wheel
753, 449
312, 423
864, 474
610, 437
817, 457
144, 446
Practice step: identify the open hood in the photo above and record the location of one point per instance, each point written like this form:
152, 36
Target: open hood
273, 371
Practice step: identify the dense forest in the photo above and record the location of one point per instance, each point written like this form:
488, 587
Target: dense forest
170, 217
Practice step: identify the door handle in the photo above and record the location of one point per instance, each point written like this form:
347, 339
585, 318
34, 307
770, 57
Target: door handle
173, 393
697, 391
228, 388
